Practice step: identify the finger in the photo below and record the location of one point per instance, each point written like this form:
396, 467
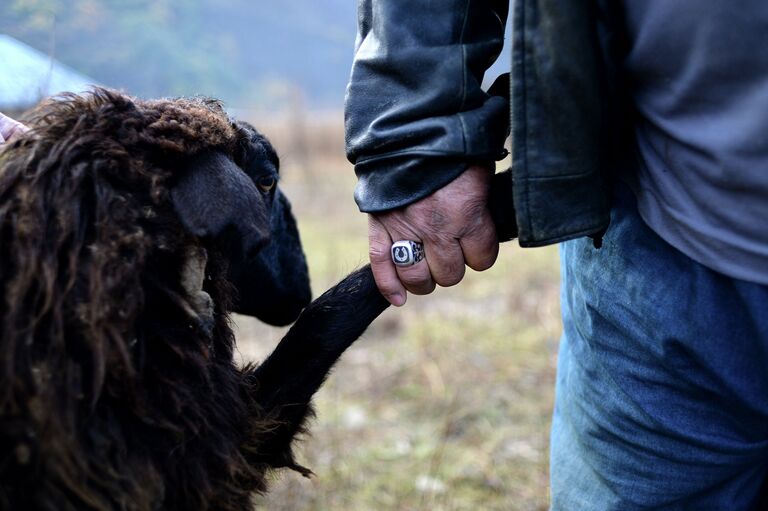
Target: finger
384, 273
417, 277
480, 245
445, 260
10, 128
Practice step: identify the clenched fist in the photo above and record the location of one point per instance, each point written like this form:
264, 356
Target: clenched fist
454, 225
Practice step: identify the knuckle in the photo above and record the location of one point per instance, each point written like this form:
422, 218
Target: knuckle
484, 261
448, 273
451, 278
416, 280
482, 265
424, 288
378, 256
378, 252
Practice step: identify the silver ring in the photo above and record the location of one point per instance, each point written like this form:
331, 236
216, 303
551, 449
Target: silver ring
407, 252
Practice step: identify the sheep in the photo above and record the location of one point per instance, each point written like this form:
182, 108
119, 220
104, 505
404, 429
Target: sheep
129, 231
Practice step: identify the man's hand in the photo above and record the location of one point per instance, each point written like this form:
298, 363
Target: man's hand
453, 224
10, 128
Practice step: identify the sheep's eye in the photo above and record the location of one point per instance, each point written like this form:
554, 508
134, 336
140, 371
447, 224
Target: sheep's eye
266, 183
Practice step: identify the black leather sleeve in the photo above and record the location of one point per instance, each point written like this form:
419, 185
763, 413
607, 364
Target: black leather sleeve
415, 114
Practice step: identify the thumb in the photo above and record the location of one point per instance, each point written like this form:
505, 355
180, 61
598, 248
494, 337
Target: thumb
384, 272
9, 128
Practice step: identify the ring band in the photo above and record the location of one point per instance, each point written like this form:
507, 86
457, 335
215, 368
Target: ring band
407, 252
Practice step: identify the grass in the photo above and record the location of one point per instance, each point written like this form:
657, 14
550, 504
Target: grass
444, 404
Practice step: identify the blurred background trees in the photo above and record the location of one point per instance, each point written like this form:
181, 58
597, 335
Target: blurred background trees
241, 51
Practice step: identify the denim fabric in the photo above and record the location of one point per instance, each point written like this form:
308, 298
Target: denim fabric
662, 387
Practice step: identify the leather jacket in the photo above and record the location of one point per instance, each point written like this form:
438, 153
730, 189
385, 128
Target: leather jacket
416, 116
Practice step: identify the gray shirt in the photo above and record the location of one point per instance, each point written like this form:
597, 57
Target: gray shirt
699, 72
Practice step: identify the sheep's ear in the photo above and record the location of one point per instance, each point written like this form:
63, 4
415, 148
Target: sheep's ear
214, 197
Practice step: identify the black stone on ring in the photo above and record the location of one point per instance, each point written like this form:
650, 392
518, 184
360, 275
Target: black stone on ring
407, 252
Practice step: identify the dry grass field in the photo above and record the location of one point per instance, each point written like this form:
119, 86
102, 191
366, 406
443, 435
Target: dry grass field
445, 403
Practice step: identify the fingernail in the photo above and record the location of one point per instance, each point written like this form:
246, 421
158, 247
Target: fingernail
397, 299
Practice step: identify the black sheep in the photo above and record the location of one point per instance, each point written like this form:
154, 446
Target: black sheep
128, 232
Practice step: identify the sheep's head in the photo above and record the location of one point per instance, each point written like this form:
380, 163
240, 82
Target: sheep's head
274, 285
235, 205
115, 213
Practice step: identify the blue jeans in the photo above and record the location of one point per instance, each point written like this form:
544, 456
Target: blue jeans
662, 385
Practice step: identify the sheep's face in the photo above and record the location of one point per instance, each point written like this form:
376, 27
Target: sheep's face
274, 285
123, 222
235, 203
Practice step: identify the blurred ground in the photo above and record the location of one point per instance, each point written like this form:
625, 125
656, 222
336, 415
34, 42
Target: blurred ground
443, 404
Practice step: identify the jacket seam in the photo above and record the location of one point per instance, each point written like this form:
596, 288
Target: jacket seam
464, 57
463, 76
523, 69
560, 176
